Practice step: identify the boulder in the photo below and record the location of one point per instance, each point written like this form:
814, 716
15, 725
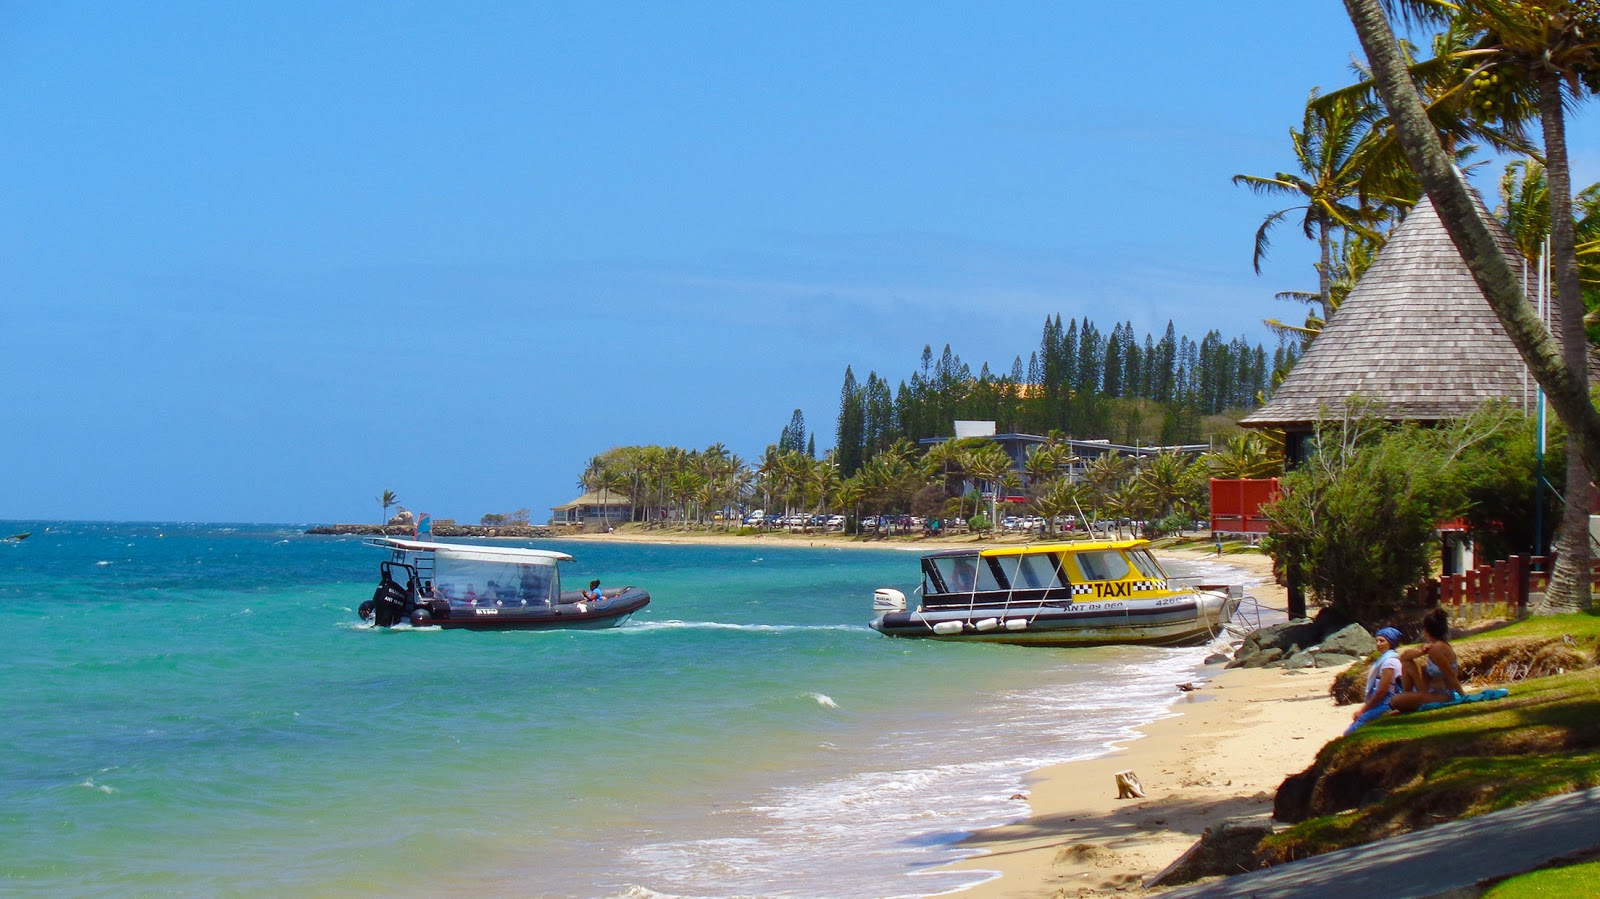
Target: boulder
1305, 658
1352, 640
1258, 660
1326, 659
1296, 633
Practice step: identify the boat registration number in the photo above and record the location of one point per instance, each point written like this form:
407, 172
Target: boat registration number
1097, 606
486, 611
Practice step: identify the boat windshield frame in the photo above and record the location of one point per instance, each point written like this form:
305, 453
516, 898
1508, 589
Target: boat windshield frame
974, 573
467, 575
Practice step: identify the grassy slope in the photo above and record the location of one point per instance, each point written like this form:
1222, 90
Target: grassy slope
1408, 772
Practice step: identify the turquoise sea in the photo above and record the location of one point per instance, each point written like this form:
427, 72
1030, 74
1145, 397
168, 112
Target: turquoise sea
196, 710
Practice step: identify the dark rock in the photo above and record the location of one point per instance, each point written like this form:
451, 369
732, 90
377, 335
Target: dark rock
1302, 659
1216, 658
1332, 659
1285, 637
1225, 849
1261, 659
1352, 640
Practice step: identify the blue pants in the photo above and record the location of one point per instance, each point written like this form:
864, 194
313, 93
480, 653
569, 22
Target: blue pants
1370, 715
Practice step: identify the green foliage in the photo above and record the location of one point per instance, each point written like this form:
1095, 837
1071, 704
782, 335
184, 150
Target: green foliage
1357, 522
980, 524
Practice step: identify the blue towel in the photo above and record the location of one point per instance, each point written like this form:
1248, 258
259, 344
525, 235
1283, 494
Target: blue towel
1459, 698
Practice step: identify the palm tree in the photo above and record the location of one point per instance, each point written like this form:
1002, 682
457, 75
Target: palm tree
849, 494
1325, 150
1246, 455
1055, 498
1045, 462
990, 464
1546, 48
1164, 479
386, 499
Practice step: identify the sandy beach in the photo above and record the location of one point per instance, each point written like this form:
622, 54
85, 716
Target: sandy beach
1222, 754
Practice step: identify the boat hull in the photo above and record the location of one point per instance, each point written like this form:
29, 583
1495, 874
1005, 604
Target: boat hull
611, 612
1188, 620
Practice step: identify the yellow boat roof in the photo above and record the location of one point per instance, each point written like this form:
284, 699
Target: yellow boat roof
1080, 546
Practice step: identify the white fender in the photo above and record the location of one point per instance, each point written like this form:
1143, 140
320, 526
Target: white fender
987, 624
947, 627
1016, 624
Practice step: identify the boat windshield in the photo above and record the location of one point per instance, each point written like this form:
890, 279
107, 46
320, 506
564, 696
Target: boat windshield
963, 574
1147, 564
467, 580
1032, 571
1100, 565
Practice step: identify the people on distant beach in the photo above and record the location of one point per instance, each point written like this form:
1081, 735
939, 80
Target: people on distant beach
594, 593
1383, 679
1430, 672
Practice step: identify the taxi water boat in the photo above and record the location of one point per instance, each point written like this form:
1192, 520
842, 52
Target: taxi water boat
1055, 594
454, 585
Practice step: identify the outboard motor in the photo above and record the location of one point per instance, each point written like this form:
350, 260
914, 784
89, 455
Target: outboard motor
390, 602
888, 599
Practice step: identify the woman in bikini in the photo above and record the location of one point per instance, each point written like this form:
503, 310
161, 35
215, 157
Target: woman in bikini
1429, 671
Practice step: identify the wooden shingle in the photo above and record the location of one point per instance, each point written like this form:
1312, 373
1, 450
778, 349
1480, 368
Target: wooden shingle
1415, 336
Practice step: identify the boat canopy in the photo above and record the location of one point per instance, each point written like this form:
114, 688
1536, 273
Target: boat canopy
483, 574
464, 552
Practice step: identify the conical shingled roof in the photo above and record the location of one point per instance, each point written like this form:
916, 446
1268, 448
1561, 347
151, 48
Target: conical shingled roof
1415, 335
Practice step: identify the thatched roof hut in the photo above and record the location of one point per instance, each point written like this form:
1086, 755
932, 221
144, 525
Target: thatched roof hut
1416, 337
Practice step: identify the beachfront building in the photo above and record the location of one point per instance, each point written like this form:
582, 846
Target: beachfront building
1083, 452
1415, 338
596, 506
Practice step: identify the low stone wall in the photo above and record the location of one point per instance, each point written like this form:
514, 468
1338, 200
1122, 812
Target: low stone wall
523, 531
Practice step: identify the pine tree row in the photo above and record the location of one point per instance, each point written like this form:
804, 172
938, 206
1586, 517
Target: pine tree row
1081, 382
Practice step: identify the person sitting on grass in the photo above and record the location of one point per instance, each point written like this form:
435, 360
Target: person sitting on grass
1429, 671
1383, 679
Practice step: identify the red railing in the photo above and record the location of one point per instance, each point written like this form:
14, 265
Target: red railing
1506, 583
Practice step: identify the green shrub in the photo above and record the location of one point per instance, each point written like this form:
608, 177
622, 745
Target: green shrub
1358, 520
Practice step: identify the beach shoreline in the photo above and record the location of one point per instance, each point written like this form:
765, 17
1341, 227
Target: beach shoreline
1221, 753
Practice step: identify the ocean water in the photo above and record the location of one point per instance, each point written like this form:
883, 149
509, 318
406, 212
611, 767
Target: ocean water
196, 710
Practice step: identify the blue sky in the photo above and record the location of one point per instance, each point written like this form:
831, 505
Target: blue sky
264, 261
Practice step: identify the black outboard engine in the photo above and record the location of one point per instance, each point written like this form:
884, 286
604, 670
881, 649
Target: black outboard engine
391, 603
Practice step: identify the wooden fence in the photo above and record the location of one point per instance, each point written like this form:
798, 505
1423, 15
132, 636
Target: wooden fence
1500, 590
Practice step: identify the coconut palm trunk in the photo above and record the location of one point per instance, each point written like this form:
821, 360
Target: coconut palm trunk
1571, 579
1447, 188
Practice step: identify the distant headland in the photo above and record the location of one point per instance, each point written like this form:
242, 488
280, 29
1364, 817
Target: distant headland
439, 530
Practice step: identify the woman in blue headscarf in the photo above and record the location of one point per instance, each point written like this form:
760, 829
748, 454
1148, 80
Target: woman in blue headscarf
1383, 679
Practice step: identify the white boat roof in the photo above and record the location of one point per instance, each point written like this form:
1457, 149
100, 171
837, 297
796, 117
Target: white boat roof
474, 552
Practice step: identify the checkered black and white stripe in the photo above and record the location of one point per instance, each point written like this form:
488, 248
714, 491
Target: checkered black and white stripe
1138, 586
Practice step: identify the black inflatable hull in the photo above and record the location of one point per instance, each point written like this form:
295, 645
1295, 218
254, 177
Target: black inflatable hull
610, 612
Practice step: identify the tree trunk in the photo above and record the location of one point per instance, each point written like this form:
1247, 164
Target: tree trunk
1447, 188
1325, 273
1570, 580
